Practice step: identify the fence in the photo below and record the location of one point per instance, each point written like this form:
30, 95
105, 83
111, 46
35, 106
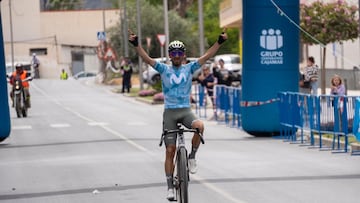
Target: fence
226, 108
304, 118
328, 119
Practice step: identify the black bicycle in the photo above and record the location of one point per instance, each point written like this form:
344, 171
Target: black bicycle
181, 170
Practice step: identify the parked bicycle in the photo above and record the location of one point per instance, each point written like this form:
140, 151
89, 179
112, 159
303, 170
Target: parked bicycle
181, 170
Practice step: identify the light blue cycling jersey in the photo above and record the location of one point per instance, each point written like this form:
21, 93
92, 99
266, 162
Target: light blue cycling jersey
176, 83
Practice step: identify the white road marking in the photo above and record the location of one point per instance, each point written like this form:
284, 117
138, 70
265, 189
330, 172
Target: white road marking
217, 190
201, 180
21, 127
97, 123
60, 125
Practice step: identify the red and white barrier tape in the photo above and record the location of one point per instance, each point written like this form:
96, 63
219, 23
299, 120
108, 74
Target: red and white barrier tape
257, 103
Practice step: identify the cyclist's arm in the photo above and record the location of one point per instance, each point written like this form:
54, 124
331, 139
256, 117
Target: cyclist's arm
212, 50
145, 56
133, 39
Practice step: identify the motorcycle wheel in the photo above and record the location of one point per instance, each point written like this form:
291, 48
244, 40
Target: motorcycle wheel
18, 108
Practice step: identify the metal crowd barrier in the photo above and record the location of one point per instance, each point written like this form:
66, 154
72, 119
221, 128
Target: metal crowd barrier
319, 116
226, 107
356, 124
199, 98
306, 119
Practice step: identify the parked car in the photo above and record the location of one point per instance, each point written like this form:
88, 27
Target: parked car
151, 76
231, 63
83, 74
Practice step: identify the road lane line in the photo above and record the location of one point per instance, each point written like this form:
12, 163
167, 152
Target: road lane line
97, 123
60, 125
202, 181
218, 190
21, 127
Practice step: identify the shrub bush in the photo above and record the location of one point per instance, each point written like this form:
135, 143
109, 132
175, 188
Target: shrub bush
144, 93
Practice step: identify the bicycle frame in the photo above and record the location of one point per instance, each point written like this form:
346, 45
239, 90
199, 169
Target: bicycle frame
182, 178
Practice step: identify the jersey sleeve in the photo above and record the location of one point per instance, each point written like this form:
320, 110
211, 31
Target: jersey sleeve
195, 66
160, 67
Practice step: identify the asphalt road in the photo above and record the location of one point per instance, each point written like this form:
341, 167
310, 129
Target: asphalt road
84, 143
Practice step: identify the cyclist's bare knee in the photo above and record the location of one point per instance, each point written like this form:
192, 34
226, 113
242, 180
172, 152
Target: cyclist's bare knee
198, 124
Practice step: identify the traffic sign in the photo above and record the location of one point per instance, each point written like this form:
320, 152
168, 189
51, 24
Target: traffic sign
101, 35
162, 39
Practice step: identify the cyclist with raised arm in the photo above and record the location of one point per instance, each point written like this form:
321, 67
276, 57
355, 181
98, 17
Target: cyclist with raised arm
176, 85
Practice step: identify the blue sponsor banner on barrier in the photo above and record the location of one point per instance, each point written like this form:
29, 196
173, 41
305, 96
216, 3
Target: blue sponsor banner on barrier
356, 124
4, 104
270, 60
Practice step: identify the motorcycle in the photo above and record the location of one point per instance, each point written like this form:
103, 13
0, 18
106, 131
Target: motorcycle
19, 98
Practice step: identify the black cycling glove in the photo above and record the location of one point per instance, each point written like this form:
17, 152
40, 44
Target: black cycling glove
135, 42
221, 39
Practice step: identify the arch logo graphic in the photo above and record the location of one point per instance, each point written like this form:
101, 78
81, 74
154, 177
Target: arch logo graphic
272, 41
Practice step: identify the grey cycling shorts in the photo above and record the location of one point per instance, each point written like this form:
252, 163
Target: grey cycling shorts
171, 117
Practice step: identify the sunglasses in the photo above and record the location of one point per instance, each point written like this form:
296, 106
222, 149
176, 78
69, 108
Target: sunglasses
176, 53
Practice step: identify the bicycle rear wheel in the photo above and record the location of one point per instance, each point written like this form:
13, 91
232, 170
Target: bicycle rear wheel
183, 176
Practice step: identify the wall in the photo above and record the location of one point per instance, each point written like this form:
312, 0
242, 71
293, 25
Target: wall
60, 32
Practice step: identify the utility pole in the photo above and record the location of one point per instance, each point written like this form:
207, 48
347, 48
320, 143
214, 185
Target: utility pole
201, 27
359, 36
125, 29
11, 37
103, 15
139, 38
166, 27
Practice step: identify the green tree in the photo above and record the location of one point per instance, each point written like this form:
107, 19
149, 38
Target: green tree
212, 26
327, 23
152, 23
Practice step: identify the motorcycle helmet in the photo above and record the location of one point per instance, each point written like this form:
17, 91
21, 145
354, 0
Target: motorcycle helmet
19, 66
176, 45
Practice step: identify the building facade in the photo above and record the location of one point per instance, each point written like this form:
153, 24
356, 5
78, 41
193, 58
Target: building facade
342, 59
61, 39
339, 56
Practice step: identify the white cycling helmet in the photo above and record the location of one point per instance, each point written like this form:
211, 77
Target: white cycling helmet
176, 44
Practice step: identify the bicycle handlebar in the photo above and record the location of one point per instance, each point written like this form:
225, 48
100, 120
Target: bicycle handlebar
181, 131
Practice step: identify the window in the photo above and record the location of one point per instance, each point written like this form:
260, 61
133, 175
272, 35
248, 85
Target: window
38, 51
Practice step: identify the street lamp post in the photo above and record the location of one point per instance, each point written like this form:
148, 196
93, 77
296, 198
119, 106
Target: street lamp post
125, 29
11, 37
139, 36
166, 27
201, 27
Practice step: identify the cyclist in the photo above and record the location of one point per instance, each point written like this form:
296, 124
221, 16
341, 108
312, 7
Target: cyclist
176, 85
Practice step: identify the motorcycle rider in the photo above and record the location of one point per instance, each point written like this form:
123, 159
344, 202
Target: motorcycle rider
23, 75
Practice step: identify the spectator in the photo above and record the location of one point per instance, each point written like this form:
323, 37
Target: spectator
206, 79
35, 63
337, 86
126, 71
63, 75
304, 86
311, 75
222, 75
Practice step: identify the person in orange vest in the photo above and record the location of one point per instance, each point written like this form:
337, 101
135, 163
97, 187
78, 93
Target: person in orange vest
20, 72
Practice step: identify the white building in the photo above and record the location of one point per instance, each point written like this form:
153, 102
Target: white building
347, 55
340, 58
61, 39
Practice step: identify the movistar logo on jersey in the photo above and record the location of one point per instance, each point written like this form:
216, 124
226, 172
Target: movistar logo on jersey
177, 79
271, 40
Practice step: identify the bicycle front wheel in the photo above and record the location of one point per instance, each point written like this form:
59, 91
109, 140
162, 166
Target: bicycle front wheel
183, 176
